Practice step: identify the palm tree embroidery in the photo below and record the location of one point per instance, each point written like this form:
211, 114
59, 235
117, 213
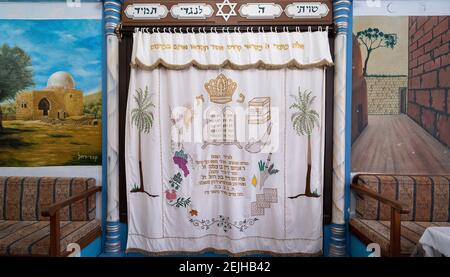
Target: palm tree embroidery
304, 121
142, 117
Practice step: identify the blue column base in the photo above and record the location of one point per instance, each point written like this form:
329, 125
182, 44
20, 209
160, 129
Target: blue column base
337, 240
113, 244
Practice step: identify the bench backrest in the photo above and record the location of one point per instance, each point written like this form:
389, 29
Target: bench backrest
23, 198
427, 197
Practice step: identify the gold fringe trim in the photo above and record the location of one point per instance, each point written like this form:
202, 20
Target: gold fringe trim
221, 251
227, 64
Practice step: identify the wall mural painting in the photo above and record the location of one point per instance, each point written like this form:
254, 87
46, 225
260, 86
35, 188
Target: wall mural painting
401, 101
50, 92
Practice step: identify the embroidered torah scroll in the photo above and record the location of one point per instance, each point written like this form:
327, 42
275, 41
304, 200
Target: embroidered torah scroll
225, 142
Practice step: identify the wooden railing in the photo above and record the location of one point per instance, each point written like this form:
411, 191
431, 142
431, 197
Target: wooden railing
53, 211
397, 209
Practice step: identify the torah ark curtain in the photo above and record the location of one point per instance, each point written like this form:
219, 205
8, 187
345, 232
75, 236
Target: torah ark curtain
225, 142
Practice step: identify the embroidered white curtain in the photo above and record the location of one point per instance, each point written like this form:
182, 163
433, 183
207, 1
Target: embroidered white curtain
223, 158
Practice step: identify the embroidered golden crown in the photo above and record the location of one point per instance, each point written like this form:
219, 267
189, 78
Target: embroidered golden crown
221, 89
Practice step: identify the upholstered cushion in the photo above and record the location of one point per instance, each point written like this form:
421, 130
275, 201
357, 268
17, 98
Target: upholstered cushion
379, 232
24, 238
427, 197
22, 198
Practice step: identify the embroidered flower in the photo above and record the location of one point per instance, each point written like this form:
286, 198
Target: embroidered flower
193, 212
171, 194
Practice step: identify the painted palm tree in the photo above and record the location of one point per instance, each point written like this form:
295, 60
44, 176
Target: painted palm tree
142, 117
304, 120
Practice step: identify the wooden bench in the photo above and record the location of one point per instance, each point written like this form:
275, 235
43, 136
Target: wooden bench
40, 216
395, 210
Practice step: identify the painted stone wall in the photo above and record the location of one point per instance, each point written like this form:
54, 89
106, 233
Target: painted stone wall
359, 93
24, 110
429, 71
63, 103
384, 94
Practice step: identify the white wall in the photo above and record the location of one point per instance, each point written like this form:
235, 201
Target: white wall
72, 9
401, 7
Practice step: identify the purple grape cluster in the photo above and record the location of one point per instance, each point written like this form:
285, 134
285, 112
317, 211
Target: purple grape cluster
182, 164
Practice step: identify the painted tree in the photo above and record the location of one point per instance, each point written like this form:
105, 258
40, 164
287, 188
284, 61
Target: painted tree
304, 120
372, 39
15, 73
142, 117
94, 108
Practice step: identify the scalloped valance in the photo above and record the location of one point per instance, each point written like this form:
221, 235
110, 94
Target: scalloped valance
239, 51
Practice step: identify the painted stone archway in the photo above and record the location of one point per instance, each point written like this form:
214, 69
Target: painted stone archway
44, 106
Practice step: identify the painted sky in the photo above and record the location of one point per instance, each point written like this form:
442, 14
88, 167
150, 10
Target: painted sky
59, 45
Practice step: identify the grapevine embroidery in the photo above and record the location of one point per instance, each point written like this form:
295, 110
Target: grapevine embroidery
175, 181
224, 223
181, 160
171, 194
181, 202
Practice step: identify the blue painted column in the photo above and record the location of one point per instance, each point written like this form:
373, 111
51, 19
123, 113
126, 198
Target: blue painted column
341, 129
112, 242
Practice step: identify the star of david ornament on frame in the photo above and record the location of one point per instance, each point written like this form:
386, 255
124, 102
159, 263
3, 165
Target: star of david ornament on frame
227, 3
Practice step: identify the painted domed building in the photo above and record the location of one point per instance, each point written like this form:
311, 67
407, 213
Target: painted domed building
58, 100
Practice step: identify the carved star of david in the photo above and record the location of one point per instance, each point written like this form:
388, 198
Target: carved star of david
220, 12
